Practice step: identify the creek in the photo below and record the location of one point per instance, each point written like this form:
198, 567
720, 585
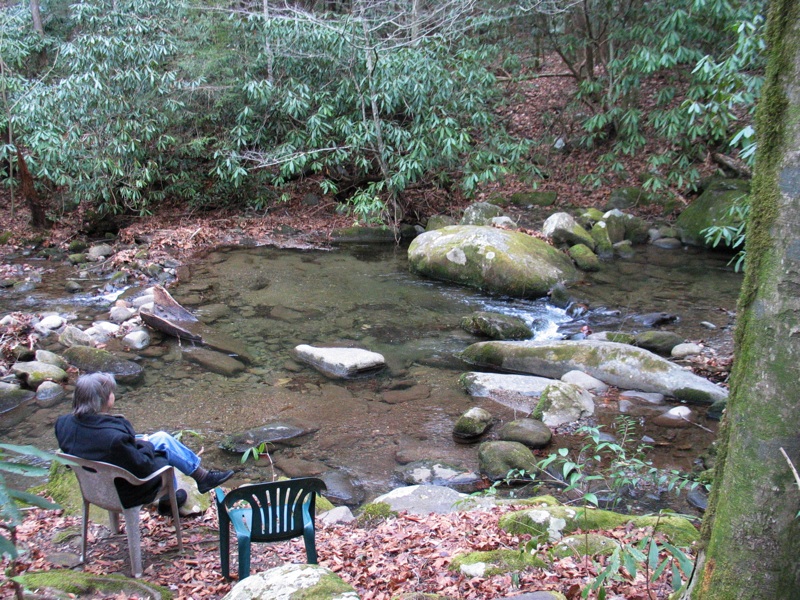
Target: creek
364, 296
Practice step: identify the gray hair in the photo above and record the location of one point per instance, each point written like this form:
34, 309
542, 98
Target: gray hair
92, 392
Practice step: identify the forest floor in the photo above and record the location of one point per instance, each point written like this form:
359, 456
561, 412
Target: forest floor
400, 555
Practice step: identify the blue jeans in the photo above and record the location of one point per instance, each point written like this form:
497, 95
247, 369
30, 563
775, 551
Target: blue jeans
178, 455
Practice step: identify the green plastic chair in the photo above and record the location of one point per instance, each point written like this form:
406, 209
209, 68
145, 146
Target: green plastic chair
267, 512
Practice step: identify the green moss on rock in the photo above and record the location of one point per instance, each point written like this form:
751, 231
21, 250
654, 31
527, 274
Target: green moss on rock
499, 561
64, 583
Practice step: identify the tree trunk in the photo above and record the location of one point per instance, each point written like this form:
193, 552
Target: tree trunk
36, 13
28, 189
751, 530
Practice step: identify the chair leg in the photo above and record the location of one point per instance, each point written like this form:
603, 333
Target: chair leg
244, 556
113, 520
225, 548
134, 539
85, 530
176, 520
311, 545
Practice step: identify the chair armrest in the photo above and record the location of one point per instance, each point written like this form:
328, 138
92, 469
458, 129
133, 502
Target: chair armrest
133, 480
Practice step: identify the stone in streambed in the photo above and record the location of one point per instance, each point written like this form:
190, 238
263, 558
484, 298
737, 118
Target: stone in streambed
472, 425
93, 360
340, 363
286, 432
216, 362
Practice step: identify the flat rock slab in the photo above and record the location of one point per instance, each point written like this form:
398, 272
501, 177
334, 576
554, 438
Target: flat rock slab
93, 360
216, 362
621, 365
341, 363
285, 432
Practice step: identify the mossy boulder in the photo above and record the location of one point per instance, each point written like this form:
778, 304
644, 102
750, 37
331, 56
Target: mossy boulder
627, 197
496, 326
710, 208
550, 523
491, 259
93, 360
621, 365
562, 403
496, 459
439, 221
562, 228
660, 342
480, 213
602, 242
536, 198
531, 432
584, 258
34, 373
472, 424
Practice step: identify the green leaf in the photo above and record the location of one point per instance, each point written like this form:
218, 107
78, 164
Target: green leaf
33, 499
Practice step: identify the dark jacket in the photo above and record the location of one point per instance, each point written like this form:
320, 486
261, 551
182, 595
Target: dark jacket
111, 439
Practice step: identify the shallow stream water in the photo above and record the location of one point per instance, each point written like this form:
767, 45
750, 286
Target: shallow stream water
364, 296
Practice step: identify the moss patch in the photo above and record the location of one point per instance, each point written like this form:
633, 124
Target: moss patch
499, 561
374, 513
328, 586
64, 583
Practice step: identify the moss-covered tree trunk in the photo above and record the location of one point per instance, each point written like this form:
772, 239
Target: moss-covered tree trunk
751, 531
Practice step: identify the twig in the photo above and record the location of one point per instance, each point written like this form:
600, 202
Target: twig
791, 466
697, 425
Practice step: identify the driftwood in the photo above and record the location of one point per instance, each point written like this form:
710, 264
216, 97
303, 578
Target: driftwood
169, 316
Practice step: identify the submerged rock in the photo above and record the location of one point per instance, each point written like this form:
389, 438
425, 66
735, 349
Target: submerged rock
496, 326
340, 363
286, 432
216, 362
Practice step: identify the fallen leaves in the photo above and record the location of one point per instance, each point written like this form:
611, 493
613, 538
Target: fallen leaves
409, 553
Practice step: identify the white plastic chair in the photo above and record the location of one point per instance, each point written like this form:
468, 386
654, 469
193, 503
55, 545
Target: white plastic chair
96, 480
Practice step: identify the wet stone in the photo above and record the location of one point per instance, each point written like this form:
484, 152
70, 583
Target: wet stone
287, 432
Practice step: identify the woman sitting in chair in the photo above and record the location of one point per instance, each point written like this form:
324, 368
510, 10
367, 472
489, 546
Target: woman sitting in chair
91, 432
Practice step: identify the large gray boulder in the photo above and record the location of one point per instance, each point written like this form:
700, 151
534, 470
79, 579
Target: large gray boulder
710, 208
427, 499
562, 228
621, 365
496, 260
293, 581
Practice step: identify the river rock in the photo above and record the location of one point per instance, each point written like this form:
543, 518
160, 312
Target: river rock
49, 393
496, 326
496, 260
403, 394
340, 363
531, 432
293, 581
587, 382
584, 258
427, 499
216, 362
668, 243
649, 397
72, 336
100, 251
472, 425
480, 213
604, 247
439, 221
679, 416
660, 342
562, 403
15, 404
50, 323
284, 432
620, 365
431, 472
342, 488
33, 373
120, 314
94, 360
496, 459
297, 467
562, 229
685, 350
520, 392
51, 358
655, 319
339, 514
624, 249
210, 313
585, 544
138, 339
